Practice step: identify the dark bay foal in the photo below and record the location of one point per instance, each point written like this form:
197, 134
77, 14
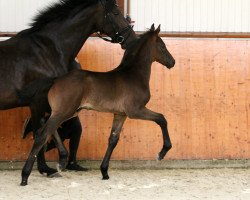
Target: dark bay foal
123, 91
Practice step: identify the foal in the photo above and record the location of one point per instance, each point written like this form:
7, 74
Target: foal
123, 91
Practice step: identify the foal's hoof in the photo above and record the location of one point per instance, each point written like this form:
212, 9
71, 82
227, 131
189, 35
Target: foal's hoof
24, 183
62, 164
163, 152
158, 158
55, 175
59, 167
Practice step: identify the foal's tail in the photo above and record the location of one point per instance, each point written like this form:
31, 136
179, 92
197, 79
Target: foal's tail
36, 89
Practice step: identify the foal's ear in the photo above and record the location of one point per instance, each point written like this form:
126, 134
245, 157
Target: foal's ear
152, 27
158, 30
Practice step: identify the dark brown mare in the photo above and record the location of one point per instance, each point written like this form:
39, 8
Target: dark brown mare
123, 91
48, 49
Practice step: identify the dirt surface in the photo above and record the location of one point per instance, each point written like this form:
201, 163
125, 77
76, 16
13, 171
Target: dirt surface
229, 184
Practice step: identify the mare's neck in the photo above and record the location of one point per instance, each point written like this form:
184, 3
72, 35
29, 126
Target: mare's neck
67, 37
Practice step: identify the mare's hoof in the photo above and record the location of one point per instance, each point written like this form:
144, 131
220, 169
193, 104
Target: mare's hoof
24, 183
55, 175
106, 177
76, 167
48, 171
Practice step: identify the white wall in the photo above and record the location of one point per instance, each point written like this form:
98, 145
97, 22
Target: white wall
192, 15
174, 15
15, 15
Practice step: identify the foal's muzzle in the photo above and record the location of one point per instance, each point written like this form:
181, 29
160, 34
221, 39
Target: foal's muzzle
171, 64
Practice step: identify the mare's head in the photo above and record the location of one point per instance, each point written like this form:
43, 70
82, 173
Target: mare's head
111, 21
104, 16
159, 51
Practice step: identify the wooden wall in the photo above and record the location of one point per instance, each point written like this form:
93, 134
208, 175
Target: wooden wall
205, 98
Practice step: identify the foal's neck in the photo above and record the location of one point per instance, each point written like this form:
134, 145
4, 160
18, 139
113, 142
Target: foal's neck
141, 63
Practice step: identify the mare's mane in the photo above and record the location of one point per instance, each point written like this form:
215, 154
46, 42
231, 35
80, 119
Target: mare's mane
59, 11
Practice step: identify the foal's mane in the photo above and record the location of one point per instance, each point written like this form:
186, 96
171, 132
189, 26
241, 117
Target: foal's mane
133, 50
59, 11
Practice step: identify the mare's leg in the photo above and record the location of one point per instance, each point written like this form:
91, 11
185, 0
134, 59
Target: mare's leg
41, 138
146, 114
113, 140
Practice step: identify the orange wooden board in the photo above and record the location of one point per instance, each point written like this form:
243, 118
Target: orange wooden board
205, 98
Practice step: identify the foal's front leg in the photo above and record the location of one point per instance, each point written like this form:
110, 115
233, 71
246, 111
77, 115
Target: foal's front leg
146, 114
113, 140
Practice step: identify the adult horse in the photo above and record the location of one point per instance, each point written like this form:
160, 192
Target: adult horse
123, 91
49, 48
72, 128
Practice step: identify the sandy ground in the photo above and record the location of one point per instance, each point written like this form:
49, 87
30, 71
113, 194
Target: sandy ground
130, 184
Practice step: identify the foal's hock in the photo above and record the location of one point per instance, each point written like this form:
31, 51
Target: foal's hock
123, 91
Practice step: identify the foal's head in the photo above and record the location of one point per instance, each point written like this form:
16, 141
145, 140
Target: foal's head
159, 50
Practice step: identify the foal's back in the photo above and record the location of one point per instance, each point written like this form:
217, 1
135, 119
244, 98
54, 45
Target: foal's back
112, 91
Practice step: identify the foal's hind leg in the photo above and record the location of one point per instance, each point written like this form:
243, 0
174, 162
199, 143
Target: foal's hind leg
146, 114
113, 140
63, 154
39, 141
37, 114
41, 138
